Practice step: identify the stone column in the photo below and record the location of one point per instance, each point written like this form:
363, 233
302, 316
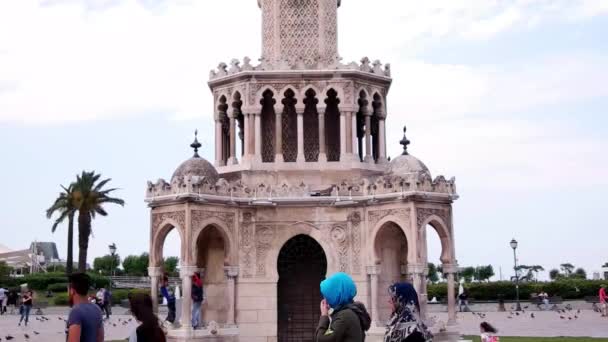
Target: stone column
349, 136
301, 158
246, 127
154, 273
231, 273
373, 272
186, 273
278, 138
232, 160
368, 139
342, 136
322, 148
451, 270
355, 141
258, 137
382, 141
219, 160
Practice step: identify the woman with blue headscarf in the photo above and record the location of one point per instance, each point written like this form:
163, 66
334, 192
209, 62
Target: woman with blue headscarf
349, 319
405, 323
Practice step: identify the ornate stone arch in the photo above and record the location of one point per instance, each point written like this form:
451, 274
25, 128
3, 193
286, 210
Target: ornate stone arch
160, 231
279, 96
259, 95
302, 94
445, 237
337, 88
294, 230
403, 226
363, 89
197, 229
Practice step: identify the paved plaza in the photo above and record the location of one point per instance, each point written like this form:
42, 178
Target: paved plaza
548, 324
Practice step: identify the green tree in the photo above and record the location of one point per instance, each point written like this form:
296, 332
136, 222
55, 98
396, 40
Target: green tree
106, 264
89, 197
580, 273
554, 274
468, 273
433, 275
170, 265
567, 268
64, 205
136, 265
536, 269
5, 270
484, 273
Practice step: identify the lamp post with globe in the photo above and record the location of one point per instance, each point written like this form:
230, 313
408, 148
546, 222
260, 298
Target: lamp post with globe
514, 246
112, 248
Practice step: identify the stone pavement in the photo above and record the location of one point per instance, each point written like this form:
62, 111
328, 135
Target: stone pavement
545, 323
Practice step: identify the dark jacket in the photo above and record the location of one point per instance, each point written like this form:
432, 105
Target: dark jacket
347, 325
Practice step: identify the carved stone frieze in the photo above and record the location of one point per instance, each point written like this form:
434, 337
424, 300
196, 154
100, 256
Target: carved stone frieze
422, 214
355, 221
178, 217
264, 237
377, 215
198, 216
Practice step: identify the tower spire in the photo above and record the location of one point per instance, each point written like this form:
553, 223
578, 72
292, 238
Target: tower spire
404, 142
196, 145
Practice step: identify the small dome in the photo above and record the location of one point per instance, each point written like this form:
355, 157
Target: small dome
196, 167
406, 164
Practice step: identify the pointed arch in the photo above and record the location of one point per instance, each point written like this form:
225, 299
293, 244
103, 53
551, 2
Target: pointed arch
332, 125
268, 117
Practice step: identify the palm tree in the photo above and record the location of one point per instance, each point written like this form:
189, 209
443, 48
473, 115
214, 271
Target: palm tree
89, 197
536, 269
64, 204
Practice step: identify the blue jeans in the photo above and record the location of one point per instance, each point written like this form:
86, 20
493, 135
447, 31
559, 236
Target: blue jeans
25, 313
196, 314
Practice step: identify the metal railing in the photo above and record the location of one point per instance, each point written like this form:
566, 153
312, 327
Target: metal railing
126, 282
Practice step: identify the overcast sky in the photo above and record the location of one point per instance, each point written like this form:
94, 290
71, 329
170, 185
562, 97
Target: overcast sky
509, 97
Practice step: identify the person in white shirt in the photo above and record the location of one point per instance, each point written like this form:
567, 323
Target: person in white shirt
3, 300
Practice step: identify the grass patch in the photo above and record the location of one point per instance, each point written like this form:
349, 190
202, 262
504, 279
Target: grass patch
541, 339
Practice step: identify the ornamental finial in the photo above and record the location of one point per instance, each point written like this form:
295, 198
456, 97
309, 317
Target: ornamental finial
196, 145
404, 142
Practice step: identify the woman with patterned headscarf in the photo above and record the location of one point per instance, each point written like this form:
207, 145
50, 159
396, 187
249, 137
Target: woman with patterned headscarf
349, 319
405, 323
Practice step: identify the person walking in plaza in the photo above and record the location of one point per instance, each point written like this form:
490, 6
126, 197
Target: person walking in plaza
3, 300
85, 321
544, 298
107, 302
349, 320
197, 300
405, 323
603, 300
488, 333
169, 295
13, 297
463, 301
26, 306
149, 329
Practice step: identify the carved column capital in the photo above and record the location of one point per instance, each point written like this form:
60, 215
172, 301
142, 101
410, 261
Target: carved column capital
450, 268
373, 270
231, 271
417, 269
155, 271
187, 271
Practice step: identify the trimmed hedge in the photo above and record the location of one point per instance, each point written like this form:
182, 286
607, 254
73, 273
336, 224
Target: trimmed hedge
58, 287
119, 295
41, 281
61, 299
566, 288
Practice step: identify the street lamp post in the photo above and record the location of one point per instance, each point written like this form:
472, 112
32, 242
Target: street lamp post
112, 248
514, 246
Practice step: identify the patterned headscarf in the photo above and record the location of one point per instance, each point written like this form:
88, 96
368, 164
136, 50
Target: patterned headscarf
338, 290
405, 320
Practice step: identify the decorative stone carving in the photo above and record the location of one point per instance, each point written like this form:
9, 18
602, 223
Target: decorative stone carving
234, 66
355, 221
422, 214
247, 64
377, 215
178, 217
247, 245
377, 67
198, 216
365, 67
264, 239
339, 238
221, 69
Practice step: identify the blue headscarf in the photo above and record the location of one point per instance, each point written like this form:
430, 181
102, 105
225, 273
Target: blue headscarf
338, 290
404, 293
